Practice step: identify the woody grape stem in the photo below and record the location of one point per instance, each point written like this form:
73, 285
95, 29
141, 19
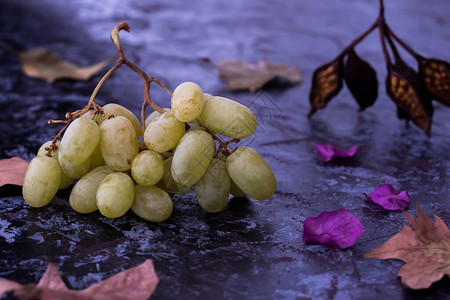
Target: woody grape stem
222, 144
147, 80
121, 61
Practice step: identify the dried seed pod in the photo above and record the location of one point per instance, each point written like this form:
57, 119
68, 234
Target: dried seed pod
361, 80
326, 83
404, 88
435, 76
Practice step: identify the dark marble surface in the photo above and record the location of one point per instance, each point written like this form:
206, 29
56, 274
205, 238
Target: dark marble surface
250, 250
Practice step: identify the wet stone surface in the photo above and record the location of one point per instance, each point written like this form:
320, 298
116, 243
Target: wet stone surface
250, 250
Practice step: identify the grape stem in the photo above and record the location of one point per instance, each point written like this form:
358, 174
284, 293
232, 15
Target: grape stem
72, 116
122, 60
147, 80
222, 144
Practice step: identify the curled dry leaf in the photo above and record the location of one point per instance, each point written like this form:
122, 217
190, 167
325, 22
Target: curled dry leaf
426, 251
338, 228
361, 80
41, 63
408, 93
387, 197
136, 283
241, 75
411, 101
326, 83
435, 75
12, 170
326, 152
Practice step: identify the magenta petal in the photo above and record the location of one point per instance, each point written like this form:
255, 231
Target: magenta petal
386, 196
325, 152
335, 228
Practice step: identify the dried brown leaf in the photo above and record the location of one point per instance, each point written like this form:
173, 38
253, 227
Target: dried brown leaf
326, 83
12, 170
241, 75
435, 75
136, 283
426, 251
403, 87
8, 285
361, 80
41, 63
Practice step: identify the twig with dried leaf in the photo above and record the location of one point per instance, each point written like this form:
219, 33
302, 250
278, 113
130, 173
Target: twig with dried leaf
411, 91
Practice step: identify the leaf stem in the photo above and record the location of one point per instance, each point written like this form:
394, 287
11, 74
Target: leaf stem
387, 58
394, 50
361, 37
403, 44
381, 14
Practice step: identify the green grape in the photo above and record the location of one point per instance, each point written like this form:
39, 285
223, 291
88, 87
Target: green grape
213, 188
152, 203
154, 115
192, 157
115, 195
66, 180
147, 168
120, 111
43, 150
236, 191
169, 184
41, 181
74, 170
83, 196
97, 118
187, 101
96, 158
228, 118
163, 132
79, 141
118, 143
251, 173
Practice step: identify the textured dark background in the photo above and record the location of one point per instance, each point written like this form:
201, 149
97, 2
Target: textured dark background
251, 250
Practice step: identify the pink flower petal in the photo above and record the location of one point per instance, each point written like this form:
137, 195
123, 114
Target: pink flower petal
325, 152
386, 196
335, 228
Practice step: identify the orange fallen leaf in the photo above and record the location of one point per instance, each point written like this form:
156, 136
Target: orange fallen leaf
241, 75
41, 63
136, 283
426, 251
12, 170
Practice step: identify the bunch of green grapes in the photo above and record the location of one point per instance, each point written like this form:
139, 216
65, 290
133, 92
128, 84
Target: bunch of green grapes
119, 166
